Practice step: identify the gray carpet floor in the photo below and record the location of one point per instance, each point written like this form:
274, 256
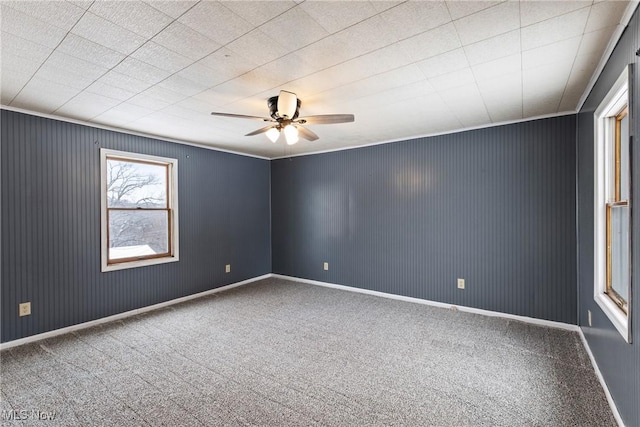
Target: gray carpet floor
280, 353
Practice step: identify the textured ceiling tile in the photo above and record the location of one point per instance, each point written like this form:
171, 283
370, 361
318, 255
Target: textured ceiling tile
23, 48
200, 106
543, 87
581, 72
554, 29
431, 43
105, 33
161, 57
84, 4
546, 79
382, 5
60, 14
70, 71
10, 85
551, 53
294, 29
135, 16
19, 65
334, 19
185, 41
374, 63
125, 82
493, 48
86, 106
215, 21
532, 12
156, 98
202, 75
286, 69
595, 41
453, 79
605, 14
100, 88
411, 18
366, 37
488, 23
141, 70
259, 12
173, 8
123, 113
466, 104
497, 88
539, 104
353, 42
376, 88
181, 85
29, 28
257, 47
318, 82
444, 63
217, 98
43, 95
226, 64
459, 9
497, 67
89, 51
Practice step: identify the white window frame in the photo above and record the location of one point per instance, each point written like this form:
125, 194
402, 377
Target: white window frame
616, 98
172, 201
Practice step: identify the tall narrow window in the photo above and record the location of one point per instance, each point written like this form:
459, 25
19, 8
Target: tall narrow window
139, 210
618, 219
613, 206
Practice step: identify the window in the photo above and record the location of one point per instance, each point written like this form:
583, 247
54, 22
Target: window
613, 206
139, 210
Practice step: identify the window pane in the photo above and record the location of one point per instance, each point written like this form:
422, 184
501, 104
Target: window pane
138, 233
131, 185
624, 158
620, 251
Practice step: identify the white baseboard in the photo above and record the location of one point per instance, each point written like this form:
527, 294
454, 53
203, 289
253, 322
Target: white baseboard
119, 316
612, 404
532, 320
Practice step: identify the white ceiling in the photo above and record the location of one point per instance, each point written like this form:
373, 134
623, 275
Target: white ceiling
404, 69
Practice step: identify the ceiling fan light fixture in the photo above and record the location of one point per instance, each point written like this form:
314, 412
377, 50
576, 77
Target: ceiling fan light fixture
291, 134
273, 134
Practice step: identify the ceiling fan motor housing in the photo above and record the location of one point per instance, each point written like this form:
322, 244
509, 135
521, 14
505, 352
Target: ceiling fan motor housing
273, 108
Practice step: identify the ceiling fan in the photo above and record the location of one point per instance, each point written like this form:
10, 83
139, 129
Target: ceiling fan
284, 110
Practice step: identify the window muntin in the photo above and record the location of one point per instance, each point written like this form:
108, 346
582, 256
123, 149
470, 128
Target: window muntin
139, 210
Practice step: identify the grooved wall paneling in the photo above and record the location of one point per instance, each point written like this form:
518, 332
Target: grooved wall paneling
618, 361
493, 206
51, 224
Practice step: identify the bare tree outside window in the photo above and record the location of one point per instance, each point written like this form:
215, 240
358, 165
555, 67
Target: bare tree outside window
138, 212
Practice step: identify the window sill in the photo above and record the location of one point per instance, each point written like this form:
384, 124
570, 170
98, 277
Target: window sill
133, 264
615, 315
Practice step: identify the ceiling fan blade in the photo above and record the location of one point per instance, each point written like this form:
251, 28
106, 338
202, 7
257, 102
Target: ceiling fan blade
307, 134
326, 119
242, 116
287, 104
259, 131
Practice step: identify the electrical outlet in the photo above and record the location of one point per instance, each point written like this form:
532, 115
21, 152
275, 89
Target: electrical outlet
227, 268
24, 309
589, 313
460, 283
326, 266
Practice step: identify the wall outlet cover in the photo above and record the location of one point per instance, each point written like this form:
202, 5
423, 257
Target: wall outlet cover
24, 309
460, 283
